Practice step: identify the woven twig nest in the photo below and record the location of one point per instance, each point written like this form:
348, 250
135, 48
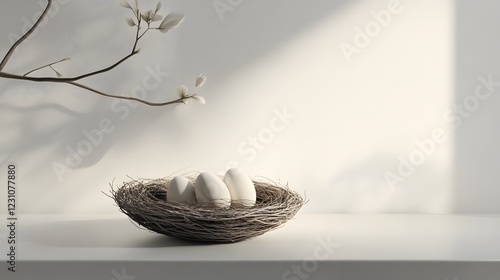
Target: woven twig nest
144, 202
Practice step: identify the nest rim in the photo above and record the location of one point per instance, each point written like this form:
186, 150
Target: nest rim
144, 202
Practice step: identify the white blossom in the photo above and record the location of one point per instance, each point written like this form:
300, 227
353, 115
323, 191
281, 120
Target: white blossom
171, 21
130, 22
200, 99
182, 91
125, 4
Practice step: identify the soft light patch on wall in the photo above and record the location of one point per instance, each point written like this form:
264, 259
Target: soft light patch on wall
357, 116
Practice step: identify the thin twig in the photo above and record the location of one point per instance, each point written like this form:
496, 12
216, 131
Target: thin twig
144, 33
18, 42
137, 38
180, 100
45, 66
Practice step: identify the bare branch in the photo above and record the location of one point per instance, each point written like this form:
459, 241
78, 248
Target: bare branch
18, 42
107, 68
64, 80
180, 100
71, 82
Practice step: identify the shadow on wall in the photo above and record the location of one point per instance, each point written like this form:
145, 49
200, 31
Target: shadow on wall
477, 117
45, 118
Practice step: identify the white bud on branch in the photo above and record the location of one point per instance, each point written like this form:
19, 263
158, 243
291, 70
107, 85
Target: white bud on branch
158, 7
200, 80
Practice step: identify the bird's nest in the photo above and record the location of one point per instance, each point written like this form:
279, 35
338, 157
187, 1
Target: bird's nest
144, 202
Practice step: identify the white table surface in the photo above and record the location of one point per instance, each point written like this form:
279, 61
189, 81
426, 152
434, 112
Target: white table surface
356, 237
352, 238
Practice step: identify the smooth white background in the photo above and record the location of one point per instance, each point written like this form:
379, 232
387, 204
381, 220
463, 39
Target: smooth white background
353, 121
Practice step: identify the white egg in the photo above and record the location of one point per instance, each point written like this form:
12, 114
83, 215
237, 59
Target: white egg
240, 187
210, 188
181, 190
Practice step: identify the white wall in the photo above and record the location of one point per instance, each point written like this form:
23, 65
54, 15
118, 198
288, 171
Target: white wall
354, 117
